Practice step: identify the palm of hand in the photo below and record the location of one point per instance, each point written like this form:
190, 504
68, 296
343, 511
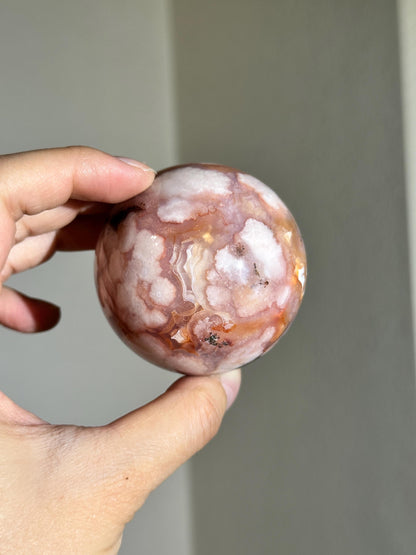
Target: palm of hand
68, 489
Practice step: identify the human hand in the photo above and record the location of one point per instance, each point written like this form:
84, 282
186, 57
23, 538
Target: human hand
70, 489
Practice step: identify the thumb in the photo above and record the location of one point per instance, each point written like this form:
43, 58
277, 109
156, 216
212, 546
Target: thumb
150, 443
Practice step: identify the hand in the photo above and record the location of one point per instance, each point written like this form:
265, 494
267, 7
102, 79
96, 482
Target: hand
69, 489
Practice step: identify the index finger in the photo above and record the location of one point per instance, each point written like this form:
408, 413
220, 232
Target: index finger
43, 179
31, 182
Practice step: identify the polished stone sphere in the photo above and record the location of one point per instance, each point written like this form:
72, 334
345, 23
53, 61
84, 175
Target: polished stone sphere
202, 272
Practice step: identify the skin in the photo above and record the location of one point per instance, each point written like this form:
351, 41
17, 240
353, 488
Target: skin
69, 489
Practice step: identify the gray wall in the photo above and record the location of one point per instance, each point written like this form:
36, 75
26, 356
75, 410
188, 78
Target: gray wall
407, 40
95, 73
318, 455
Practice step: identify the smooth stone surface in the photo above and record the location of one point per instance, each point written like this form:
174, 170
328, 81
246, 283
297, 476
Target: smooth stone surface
203, 272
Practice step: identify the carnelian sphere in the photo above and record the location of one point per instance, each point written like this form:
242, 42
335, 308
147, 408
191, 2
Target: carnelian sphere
202, 272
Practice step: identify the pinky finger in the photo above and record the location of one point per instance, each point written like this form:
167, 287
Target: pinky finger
26, 314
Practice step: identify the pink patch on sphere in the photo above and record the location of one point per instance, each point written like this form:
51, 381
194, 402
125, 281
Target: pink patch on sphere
203, 272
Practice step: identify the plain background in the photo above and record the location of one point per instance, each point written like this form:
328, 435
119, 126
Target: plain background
318, 455
95, 73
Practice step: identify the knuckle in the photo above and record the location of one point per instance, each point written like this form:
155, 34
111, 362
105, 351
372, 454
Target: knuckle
208, 413
81, 156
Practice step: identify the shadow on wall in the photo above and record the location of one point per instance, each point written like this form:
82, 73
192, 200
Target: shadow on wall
318, 455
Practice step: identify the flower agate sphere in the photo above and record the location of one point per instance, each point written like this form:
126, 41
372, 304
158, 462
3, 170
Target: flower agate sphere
203, 272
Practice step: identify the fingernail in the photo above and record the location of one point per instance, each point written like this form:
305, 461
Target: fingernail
231, 381
136, 164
